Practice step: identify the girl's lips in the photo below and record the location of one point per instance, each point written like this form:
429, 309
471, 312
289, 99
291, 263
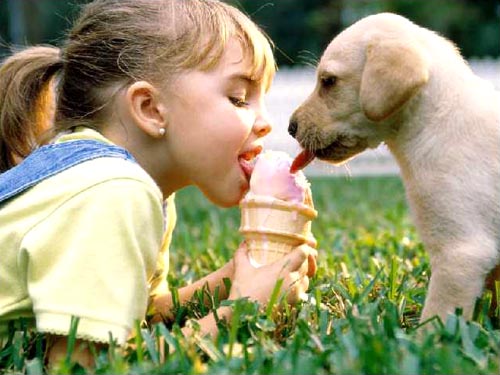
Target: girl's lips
247, 160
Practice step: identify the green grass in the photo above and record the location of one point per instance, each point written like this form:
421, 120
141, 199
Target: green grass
361, 316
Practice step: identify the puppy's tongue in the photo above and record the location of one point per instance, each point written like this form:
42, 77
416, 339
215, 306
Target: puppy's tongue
302, 160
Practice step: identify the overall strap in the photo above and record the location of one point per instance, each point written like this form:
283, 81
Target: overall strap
52, 159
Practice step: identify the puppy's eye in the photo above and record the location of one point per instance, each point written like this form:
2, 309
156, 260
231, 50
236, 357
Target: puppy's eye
328, 81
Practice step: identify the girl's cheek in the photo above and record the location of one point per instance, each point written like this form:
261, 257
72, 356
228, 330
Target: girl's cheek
248, 117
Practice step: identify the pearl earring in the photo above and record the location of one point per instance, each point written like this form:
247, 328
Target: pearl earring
161, 132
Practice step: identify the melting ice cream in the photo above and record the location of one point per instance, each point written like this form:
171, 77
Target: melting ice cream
277, 211
271, 177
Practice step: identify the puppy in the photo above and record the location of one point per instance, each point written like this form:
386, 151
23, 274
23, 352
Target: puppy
385, 79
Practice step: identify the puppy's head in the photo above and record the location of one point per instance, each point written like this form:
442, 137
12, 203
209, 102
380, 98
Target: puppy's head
365, 77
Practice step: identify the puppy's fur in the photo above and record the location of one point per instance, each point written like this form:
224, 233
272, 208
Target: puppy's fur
385, 79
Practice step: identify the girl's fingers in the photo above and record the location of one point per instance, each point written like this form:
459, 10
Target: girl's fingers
311, 265
303, 286
299, 282
311, 241
241, 255
242, 247
297, 287
295, 259
305, 267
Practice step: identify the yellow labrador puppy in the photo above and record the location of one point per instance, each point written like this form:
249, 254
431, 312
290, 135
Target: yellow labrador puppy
385, 79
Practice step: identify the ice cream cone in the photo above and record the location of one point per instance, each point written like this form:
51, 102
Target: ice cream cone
273, 227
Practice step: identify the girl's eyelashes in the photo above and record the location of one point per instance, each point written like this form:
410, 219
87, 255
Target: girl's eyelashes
238, 102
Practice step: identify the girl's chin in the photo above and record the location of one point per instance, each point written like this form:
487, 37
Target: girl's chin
225, 202
227, 192
227, 197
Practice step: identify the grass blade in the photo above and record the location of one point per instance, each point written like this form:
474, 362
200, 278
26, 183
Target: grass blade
274, 298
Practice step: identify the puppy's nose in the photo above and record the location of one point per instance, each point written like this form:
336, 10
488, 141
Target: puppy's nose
292, 127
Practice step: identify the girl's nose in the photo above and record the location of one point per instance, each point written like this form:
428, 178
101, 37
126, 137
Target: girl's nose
262, 126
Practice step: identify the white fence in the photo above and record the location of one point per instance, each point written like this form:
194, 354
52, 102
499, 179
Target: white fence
292, 86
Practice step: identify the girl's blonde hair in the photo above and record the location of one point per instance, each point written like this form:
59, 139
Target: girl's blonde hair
114, 43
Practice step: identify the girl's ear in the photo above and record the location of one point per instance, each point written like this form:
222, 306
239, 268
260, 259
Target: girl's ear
146, 108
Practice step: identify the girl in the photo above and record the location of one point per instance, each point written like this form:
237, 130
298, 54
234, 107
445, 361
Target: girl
152, 96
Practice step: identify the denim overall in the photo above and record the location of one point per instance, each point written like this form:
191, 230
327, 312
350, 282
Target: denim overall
52, 159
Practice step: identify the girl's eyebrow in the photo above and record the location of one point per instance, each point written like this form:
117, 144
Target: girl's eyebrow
242, 76
246, 78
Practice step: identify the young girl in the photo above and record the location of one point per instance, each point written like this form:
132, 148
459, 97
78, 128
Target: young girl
152, 96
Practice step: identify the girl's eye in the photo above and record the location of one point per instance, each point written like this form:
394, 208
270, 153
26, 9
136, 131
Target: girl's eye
238, 102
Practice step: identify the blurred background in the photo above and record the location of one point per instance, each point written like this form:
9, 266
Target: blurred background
300, 30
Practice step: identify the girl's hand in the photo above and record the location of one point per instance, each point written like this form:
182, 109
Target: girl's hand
258, 283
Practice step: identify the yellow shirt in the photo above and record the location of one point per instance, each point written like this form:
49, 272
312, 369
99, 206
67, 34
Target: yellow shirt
85, 242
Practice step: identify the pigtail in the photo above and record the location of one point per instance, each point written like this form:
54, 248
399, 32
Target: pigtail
27, 101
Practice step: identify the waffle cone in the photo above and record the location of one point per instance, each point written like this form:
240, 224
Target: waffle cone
273, 227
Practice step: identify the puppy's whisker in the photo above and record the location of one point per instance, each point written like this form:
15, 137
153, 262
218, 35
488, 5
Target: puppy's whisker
348, 171
310, 64
308, 58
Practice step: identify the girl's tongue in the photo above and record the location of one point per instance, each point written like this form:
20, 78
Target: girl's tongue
247, 160
247, 166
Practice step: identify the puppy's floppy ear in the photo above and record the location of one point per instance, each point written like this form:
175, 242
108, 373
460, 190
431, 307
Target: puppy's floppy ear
394, 71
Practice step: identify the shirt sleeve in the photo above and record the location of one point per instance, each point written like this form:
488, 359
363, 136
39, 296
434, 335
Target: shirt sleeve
92, 258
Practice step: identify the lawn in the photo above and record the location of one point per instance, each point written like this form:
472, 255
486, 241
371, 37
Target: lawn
361, 315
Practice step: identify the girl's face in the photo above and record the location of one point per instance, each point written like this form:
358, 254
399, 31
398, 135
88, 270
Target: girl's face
216, 120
